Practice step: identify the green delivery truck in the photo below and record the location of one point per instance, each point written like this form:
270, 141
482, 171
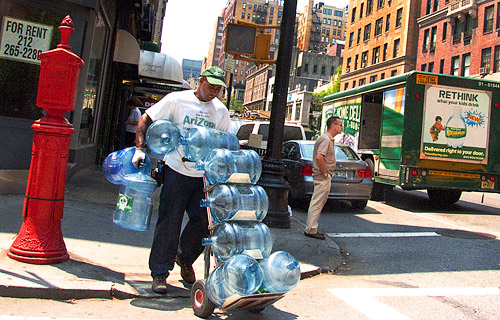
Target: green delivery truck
423, 130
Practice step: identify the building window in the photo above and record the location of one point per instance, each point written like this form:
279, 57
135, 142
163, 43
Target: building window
373, 78
399, 17
328, 31
498, 16
445, 30
467, 25
441, 66
348, 65
366, 35
465, 65
433, 39
382, 76
380, 4
455, 65
359, 36
323, 70
271, 10
351, 36
354, 84
432, 5
323, 30
346, 86
334, 32
361, 10
244, 5
423, 67
394, 73
249, 6
315, 69
306, 67
364, 59
488, 19
361, 81
338, 13
425, 44
369, 7
378, 26
353, 15
375, 55
330, 21
430, 68
395, 50
243, 15
384, 53
456, 31
496, 62
387, 22
356, 62
486, 59
324, 20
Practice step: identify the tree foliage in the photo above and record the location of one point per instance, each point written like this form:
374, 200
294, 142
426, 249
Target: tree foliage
334, 88
236, 105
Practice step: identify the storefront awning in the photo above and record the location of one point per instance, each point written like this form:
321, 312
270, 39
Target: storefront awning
127, 49
160, 66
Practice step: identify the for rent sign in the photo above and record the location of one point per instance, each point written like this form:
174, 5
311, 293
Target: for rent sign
24, 40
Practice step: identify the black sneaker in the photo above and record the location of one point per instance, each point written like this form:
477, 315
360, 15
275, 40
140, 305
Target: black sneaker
317, 235
187, 271
159, 284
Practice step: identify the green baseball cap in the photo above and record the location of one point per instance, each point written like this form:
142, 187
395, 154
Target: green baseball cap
215, 76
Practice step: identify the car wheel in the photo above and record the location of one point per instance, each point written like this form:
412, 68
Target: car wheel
359, 204
443, 196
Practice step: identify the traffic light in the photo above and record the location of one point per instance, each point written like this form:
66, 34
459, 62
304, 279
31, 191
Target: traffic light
243, 40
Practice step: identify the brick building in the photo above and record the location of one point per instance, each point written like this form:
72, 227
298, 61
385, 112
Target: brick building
460, 38
381, 41
319, 26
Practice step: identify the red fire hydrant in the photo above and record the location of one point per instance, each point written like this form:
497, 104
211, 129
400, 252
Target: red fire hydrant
40, 239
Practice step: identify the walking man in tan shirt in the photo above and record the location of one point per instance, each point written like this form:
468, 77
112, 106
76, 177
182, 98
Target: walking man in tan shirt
323, 167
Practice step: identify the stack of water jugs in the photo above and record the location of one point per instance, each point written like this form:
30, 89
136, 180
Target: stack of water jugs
241, 243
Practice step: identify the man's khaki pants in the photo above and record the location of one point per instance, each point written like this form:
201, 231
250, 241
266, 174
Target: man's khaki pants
318, 200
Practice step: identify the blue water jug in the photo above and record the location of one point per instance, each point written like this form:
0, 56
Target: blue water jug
134, 206
281, 272
236, 202
240, 275
119, 163
163, 137
229, 239
222, 164
199, 141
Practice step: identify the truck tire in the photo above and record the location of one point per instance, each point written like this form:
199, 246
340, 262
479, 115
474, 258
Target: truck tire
443, 196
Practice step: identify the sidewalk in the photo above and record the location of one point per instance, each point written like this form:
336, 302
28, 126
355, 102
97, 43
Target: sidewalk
108, 261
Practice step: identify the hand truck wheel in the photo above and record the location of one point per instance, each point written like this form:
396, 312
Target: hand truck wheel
201, 304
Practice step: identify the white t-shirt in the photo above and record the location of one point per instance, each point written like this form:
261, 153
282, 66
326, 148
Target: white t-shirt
135, 114
186, 111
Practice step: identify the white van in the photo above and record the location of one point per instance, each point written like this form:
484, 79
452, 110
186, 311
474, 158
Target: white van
293, 131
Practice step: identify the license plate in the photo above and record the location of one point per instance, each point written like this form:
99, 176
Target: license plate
340, 174
487, 184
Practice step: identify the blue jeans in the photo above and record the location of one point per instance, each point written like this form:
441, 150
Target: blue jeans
178, 194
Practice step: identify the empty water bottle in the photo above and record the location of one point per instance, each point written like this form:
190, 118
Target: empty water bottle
119, 163
281, 272
199, 141
229, 239
241, 275
221, 164
134, 206
163, 137
237, 202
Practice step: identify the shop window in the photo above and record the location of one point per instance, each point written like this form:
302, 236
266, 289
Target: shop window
93, 84
19, 75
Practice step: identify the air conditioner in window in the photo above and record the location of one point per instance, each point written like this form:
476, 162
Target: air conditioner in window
482, 70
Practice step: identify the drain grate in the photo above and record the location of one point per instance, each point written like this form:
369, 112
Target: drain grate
463, 234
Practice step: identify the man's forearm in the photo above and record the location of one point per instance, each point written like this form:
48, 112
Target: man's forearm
140, 133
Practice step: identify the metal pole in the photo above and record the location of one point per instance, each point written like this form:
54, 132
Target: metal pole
229, 89
272, 165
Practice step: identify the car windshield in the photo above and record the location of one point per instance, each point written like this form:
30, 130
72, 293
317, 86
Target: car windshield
341, 152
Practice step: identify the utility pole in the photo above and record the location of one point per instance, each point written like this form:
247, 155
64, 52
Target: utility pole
272, 179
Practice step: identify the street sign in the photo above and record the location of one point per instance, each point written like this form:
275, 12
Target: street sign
228, 63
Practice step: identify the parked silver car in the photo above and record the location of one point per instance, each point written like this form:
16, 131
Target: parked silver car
352, 178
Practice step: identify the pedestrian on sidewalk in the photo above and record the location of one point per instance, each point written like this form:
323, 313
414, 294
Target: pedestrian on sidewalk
183, 185
323, 167
131, 123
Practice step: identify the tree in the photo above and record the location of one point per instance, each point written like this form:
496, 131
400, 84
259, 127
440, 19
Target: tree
334, 88
236, 105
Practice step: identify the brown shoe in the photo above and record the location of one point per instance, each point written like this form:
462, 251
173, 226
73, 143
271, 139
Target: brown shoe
159, 284
187, 271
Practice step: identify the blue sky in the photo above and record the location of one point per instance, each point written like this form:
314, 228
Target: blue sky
189, 25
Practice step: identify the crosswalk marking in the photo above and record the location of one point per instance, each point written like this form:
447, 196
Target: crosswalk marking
364, 299
382, 234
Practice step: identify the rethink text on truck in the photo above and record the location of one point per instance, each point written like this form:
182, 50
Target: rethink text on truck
424, 131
